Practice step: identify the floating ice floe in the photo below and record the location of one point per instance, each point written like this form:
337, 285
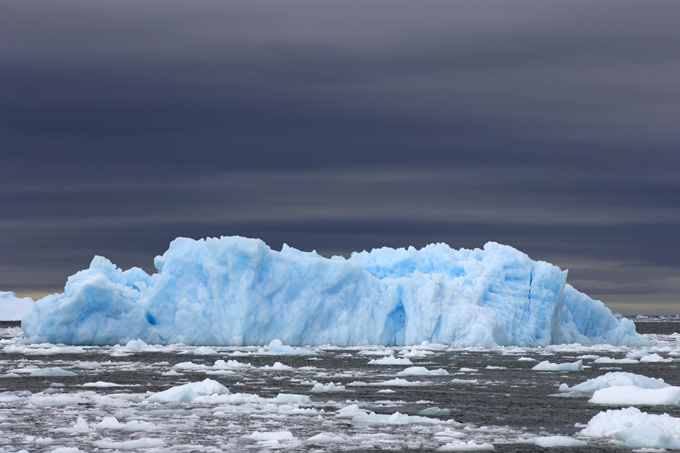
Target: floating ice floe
653, 358
390, 360
630, 395
135, 444
132, 425
328, 388
52, 371
205, 293
609, 360
459, 445
526, 359
636, 429
435, 412
324, 438
615, 379
276, 347
104, 384
189, 392
43, 349
558, 441
379, 351
357, 415
422, 371
416, 353
548, 366
277, 366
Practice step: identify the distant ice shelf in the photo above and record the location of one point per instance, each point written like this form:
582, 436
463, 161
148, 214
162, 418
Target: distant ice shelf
235, 291
13, 308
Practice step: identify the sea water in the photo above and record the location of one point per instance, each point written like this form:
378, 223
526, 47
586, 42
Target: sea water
279, 398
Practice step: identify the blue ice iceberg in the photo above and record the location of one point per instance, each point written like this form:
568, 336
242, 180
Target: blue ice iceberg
234, 291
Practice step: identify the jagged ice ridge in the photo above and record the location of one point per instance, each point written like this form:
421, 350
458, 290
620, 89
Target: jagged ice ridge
235, 291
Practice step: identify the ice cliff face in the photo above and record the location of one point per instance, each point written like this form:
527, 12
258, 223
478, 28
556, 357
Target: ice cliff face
237, 291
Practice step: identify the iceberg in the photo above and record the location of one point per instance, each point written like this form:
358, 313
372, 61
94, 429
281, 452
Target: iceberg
13, 308
234, 291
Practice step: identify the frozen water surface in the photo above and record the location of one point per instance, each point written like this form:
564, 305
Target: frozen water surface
281, 398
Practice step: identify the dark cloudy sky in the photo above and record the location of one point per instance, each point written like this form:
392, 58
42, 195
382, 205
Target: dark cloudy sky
553, 127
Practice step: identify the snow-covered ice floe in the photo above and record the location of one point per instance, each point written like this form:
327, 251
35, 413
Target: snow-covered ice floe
549, 366
615, 379
636, 429
558, 441
630, 395
235, 291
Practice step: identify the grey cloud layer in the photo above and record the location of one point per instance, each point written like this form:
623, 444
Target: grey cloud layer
342, 126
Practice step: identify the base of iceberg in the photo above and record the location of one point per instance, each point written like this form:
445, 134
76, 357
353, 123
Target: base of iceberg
235, 291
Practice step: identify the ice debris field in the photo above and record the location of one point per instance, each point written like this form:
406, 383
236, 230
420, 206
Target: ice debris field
234, 347
429, 397
234, 291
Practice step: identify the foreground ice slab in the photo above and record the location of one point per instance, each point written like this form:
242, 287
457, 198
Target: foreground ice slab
636, 429
236, 291
13, 308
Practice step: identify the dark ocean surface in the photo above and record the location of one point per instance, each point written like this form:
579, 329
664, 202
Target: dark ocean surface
494, 397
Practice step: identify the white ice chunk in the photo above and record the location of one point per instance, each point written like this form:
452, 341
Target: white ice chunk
103, 384
274, 435
630, 395
548, 366
276, 347
323, 438
52, 371
189, 392
558, 441
230, 365
654, 358
132, 425
328, 388
459, 445
136, 444
277, 366
390, 360
422, 371
635, 428
398, 382
614, 379
612, 360
435, 412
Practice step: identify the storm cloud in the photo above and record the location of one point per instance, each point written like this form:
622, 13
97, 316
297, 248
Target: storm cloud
341, 126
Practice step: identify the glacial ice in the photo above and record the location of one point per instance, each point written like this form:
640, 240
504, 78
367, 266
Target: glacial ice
235, 291
630, 395
615, 379
635, 428
558, 441
13, 308
549, 366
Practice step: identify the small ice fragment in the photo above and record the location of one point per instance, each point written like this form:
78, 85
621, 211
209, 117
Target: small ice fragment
548, 366
390, 360
558, 441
